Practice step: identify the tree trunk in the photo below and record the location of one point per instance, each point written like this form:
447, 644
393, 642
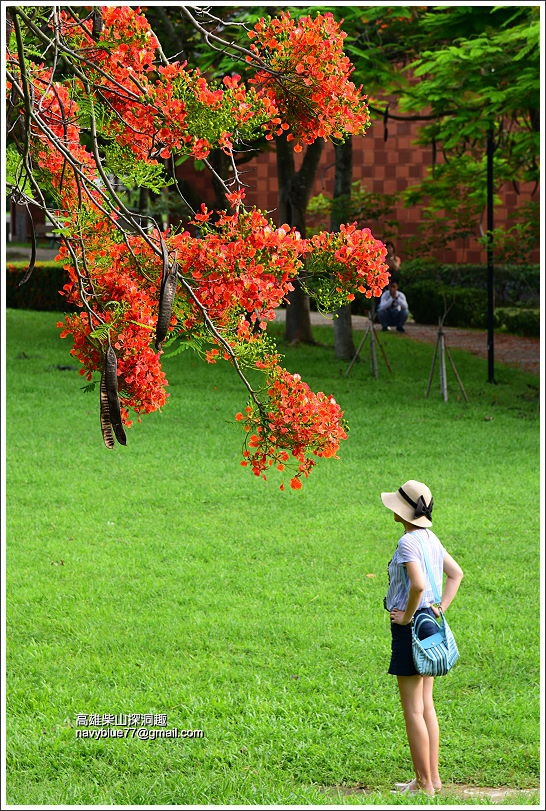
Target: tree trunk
343, 329
294, 192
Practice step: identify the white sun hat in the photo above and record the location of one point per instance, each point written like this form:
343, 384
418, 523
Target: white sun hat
413, 502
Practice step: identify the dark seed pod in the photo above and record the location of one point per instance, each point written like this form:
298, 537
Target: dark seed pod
111, 385
98, 24
166, 300
119, 431
105, 424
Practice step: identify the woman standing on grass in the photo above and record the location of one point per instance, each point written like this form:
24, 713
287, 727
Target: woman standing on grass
409, 595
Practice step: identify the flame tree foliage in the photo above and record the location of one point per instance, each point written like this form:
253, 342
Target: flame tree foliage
94, 106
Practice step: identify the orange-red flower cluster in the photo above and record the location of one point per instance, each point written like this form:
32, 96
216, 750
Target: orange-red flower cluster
310, 83
292, 426
352, 259
59, 114
154, 109
242, 264
126, 302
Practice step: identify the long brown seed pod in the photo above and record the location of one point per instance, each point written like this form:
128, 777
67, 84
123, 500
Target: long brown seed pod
166, 300
105, 424
98, 24
32, 262
111, 385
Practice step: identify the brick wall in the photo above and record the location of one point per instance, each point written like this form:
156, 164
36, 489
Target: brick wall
383, 166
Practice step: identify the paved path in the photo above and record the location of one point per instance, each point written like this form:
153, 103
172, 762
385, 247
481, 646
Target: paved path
21, 253
509, 349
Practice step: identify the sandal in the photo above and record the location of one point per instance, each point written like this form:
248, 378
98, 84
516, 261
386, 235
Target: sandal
404, 786
411, 787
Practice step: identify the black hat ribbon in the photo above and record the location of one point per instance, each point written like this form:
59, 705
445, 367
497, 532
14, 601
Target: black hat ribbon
420, 506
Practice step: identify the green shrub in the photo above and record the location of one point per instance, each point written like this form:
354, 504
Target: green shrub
41, 292
519, 321
513, 284
425, 281
466, 307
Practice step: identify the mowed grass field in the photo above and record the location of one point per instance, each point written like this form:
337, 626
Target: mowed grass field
164, 578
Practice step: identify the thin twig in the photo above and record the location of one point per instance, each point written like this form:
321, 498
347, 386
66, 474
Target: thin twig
208, 36
213, 329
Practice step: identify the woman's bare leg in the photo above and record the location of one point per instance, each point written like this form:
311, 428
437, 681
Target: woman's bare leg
411, 696
433, 730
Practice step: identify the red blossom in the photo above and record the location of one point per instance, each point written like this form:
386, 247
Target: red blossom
292, 426
309, 85
240, 267
352, 259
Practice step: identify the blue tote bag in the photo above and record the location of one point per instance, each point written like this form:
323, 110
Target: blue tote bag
436, 654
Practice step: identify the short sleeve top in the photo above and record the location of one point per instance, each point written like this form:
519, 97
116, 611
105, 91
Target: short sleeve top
409, 549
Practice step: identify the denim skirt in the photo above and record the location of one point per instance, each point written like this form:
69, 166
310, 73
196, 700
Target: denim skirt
401, 652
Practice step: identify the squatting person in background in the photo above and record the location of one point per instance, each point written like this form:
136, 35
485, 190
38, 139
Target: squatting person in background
393, 308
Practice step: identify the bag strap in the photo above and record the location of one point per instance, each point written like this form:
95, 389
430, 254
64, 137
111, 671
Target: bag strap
430, 576
424, 618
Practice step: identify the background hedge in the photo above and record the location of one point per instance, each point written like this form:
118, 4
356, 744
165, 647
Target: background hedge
463, 306
41, 292
461, 292
429, 287
518, 321
515, 285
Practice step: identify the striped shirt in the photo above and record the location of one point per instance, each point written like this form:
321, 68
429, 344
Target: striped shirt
409, 549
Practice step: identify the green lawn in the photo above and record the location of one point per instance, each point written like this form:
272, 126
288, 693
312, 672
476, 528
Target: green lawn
165, 578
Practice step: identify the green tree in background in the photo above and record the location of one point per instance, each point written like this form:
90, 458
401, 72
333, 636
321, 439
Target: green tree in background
457, 70
478, 68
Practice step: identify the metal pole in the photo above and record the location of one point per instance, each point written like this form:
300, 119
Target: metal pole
443, 376
455, 372
373, 353
382, 348
427, 392
359, 349
490, 267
